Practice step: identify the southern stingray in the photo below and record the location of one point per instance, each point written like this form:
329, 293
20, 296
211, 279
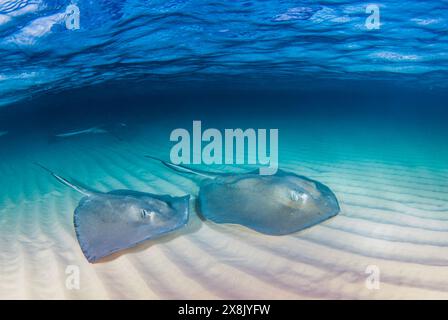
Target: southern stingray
106, 223
279, 204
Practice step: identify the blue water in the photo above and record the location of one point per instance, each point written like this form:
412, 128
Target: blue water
266, 42
361, 110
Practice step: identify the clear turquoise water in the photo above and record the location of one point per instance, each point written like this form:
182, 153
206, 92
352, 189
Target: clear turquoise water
363, 111
387, 168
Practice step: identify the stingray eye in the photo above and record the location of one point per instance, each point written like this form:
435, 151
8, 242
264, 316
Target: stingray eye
298, 196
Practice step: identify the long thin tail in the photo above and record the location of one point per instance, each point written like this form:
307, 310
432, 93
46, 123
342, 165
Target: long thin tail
65, 181
183, 169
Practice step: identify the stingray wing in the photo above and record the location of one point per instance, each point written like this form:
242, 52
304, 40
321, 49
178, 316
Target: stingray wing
105, 225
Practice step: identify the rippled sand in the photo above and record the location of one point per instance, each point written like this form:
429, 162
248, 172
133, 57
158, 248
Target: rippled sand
394, 215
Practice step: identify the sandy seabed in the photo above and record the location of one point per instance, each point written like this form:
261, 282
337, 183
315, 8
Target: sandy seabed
394, 215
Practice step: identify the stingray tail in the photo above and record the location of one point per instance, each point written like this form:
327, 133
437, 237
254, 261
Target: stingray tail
65, 181
184, 169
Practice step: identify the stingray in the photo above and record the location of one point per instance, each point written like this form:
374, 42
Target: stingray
279, 204
106, 223
81, 132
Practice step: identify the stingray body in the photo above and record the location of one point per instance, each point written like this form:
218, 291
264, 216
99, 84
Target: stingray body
93, 130
106, 223
279, 204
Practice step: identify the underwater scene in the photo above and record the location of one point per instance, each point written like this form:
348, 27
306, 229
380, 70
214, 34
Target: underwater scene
207, 149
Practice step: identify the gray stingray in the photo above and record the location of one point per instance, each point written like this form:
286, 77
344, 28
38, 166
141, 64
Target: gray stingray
106, 223
276, 205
